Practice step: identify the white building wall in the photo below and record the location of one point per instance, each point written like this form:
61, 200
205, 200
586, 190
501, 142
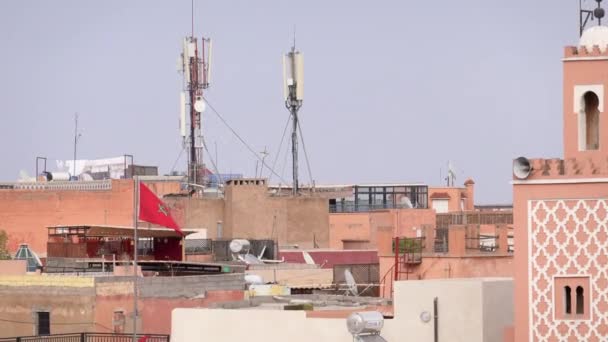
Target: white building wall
495, 313
463, 317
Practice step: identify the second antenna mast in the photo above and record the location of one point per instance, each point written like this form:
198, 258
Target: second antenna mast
293, 93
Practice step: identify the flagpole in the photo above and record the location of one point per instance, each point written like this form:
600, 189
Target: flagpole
135, 238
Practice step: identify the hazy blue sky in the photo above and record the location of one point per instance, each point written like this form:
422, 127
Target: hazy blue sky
394, 89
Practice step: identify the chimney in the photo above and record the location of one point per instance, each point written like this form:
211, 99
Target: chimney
470, 185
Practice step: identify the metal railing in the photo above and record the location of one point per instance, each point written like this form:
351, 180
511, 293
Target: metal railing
358, 207
199, 246
221, 249
88, 337
441, 243
463, 218
367, 277
482, 243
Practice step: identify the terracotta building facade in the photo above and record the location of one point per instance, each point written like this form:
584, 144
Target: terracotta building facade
561, 213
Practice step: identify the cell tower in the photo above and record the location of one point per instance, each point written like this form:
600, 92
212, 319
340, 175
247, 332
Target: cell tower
194, 63
293, 93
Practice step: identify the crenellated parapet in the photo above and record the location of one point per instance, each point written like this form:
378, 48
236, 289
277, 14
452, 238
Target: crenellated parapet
582, 51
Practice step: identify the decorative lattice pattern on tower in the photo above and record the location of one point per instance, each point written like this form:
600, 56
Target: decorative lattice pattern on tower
568, 238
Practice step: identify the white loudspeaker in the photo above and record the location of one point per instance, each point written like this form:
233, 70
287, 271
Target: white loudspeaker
521, 168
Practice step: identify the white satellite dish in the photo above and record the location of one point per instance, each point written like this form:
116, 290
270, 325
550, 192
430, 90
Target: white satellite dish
350, 283
200, 105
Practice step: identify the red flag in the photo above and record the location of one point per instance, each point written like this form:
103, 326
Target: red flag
153, 210
143, 338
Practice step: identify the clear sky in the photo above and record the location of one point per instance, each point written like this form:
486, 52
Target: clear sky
394, 89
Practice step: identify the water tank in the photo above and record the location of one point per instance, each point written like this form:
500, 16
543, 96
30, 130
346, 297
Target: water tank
253, 279
57, 176
239, 245
367, 322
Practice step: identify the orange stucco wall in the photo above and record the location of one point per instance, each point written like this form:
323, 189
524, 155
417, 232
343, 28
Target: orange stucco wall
247, 211
366, 225
155, 312
25, 214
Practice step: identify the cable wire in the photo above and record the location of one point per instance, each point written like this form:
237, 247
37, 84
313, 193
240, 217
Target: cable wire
176, 160
285, 158
217, 171
241, 139
305, 154
276, 157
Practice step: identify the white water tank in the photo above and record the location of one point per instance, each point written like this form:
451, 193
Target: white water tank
57, 176
239, 245
367, 322
253, 279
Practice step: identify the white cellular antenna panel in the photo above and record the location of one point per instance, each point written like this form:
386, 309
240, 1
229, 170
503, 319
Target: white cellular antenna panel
191, 49
209, 61
182, 114
186, 59
299, 75
180, 64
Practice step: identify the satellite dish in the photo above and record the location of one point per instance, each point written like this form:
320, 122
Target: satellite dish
406, 202
261, 255
250, 259
200, 105
239, 246
521, 168
350, 283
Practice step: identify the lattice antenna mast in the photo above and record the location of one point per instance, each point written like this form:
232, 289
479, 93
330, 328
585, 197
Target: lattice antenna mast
293, 93
194, 63
586, 14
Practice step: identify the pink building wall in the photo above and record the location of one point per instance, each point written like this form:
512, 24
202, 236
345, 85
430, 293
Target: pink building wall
561, 220
366, 225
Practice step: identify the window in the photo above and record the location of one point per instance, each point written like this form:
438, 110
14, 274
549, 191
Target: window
572, 298
580, 300
118, 321
43, 323
440, 205
568, 300
589, 122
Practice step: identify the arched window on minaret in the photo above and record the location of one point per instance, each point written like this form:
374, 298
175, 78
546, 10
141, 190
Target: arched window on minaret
580, 300
589, 128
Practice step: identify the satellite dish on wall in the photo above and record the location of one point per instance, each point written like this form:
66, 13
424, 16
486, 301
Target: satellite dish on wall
521, 168
351, 283
200, 105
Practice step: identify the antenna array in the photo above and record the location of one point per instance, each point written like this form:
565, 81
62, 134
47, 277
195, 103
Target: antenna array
293, 93
194, 64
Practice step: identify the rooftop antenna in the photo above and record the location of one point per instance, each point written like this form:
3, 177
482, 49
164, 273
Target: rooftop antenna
77, 136
264, 155
451, 177
293, 93
194, 63
586, 14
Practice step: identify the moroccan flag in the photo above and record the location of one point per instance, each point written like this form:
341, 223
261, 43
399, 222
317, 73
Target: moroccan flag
153, 210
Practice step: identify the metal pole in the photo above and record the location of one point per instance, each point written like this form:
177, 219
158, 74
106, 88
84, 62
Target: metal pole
435, 321
135, 238
396, 258
294, 149
75, 142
